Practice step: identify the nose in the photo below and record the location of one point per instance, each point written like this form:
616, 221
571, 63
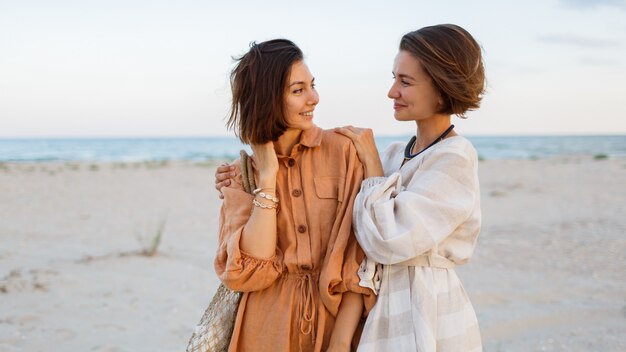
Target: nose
393, 93
314, 98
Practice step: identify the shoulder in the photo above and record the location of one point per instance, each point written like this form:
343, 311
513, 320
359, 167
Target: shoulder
394, 148
334, 141
334, 138
459, 145
455, 151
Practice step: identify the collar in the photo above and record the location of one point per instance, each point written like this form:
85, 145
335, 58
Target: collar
311, 137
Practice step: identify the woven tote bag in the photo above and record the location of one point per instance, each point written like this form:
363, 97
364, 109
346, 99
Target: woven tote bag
215, 329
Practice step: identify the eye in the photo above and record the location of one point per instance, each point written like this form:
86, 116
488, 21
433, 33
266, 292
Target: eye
297, 91
405, 83
313, 85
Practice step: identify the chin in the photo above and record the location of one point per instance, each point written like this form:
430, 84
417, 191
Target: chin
401, 117
307, 126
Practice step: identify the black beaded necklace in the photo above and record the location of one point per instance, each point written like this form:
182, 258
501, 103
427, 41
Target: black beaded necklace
409, 146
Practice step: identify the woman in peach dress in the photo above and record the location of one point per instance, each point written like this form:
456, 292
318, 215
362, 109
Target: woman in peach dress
290, 247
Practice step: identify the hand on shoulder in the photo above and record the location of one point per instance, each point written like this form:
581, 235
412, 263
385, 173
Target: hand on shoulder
363, 139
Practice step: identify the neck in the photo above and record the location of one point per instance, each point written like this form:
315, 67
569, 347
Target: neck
429, 129
286, 141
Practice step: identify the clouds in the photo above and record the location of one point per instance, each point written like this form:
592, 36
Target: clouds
597, 51
585, 4
597, 61
578, 41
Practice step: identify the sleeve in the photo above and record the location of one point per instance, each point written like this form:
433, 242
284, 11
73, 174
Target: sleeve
236, 269
344, 255
394, 224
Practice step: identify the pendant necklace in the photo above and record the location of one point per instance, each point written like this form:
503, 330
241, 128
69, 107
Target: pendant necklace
409, 146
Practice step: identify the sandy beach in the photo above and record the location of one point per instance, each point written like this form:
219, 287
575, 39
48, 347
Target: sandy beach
77, 272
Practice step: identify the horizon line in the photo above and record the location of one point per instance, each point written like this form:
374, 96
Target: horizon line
599, 134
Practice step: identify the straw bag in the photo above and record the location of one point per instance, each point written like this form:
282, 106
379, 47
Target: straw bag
213, 332
215, 329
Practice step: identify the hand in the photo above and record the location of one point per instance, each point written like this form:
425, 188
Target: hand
266, 162
227, 175
363, 139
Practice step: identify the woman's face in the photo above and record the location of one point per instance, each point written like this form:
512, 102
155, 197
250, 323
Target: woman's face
300, 97
413, 93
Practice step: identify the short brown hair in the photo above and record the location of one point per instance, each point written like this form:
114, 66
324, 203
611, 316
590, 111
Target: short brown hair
258, 83
453, 59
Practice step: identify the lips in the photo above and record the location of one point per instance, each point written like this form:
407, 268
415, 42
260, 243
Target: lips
398, 106
307, 113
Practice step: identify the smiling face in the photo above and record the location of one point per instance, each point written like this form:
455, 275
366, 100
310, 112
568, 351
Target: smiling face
413, 93
300, 97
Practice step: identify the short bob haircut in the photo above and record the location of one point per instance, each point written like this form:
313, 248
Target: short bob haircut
453, 60
258, 83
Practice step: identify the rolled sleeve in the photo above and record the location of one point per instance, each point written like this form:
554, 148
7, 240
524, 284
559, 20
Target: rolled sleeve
237, 269
394, 224
341, 267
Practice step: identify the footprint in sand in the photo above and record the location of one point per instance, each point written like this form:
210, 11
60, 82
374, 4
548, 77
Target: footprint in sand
65, 334
28, 319
109, 326
107, 349
497, 194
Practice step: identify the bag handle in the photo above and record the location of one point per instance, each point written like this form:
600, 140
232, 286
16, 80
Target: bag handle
247, 172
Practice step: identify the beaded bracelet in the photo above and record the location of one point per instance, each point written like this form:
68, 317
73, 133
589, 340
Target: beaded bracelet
262, 188
257, 192
264, 206
268, 196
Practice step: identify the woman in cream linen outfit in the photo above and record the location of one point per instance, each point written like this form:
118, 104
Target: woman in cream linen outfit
290, 247
417, 214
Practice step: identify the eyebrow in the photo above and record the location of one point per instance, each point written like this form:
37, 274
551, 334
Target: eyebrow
404, 76
301, 82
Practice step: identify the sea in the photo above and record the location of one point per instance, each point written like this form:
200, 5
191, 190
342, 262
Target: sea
26, 150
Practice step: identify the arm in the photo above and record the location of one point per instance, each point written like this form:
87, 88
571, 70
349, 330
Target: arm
259, 235
339, 281
394, 224
247, 257
350, 312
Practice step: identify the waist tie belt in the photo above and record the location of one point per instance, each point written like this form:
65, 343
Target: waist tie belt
307, 303
429, 260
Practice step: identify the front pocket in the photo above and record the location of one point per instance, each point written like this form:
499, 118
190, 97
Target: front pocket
328, 187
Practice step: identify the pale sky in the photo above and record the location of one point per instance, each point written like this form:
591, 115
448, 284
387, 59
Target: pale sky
160, 68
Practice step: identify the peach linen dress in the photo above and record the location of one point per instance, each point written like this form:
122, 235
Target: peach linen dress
290, 300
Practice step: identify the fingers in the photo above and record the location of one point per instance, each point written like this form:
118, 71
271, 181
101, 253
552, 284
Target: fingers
224, 176
346, 131
224, 172
220, 185
224, 168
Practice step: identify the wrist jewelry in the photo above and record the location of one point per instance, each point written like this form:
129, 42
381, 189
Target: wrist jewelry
262, 188
257, 192
263, 205
268, 196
